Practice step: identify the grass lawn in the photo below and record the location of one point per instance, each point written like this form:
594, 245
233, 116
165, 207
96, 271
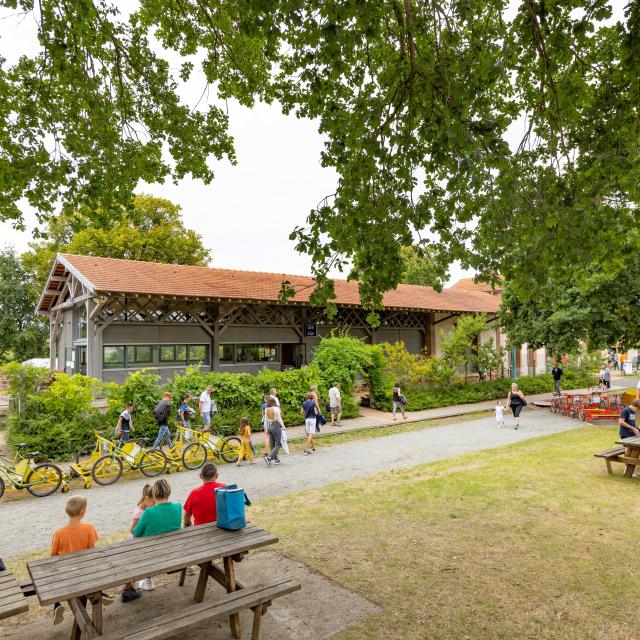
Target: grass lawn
533, 540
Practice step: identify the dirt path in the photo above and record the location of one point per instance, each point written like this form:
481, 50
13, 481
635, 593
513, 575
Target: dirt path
26, 525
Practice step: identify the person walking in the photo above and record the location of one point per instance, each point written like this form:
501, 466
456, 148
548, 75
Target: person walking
309, 411
161, 414
207, 407
246, 449
274, 394
557, 374
516, 401
607, 377
335, 404
398, 401
125, 423
276, 425
320, 419
601, 376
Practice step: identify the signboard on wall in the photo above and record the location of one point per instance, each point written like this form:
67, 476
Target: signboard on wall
310, 330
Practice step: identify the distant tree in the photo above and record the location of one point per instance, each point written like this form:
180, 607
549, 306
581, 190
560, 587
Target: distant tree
599, 310
422, 266
152, 231
22, 334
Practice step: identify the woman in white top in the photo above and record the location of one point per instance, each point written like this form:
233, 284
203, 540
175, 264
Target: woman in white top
276, 429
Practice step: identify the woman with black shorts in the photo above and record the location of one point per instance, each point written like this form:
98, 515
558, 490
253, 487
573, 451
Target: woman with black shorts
516, 401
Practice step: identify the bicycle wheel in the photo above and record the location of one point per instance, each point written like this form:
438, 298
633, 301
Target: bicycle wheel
153, 463
1, 487
194, 456
43, 480
84, 453
230, 449
107, 470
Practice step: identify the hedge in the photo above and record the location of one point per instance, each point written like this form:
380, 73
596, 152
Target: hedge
55, 416
424, 397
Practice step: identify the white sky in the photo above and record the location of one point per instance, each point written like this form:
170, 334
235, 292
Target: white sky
246, 214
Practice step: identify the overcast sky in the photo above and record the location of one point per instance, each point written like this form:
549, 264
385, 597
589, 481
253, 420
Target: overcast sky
246, 214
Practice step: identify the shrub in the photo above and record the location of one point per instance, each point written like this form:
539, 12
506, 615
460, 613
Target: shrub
57, 418
423, 397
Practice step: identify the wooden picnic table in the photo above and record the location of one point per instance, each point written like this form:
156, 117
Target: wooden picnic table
80, 577
632, 458
12, 600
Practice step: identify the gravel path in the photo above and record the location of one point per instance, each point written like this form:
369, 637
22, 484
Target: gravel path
27, 524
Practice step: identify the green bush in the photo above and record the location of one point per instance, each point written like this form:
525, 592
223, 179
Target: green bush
423, 397
57, 418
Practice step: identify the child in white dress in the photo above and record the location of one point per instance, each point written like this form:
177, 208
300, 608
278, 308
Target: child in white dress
499, 414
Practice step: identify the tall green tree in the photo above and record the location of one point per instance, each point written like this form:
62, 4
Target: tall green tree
414, 99
151, 231
422, 266
22, 334
600, 309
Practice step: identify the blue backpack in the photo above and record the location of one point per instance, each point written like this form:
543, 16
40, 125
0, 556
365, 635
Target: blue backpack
230, 504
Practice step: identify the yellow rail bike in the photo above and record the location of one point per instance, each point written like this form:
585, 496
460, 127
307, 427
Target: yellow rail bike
226, 448
29, 471
185, 450
109, 460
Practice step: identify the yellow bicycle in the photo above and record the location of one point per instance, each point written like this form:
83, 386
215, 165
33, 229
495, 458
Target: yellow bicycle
28, 471
185, 450
226, 448
108, 468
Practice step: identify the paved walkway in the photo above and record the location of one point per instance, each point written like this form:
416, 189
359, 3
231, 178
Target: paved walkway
373, 419
110, 508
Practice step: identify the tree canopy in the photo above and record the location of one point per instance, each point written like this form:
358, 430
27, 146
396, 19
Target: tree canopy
151, 231
22, 335
599, 309
417, 101
422, 267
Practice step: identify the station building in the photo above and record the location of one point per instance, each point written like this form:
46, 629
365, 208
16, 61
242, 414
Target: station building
109, 317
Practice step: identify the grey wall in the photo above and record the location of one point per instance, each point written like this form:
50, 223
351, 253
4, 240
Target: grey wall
255, 335
118, 334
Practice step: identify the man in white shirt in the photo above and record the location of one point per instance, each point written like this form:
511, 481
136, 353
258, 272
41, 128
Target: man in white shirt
207, 407
335, 404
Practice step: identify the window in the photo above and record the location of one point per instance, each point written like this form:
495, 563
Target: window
113, 356
198, 353
174, 353
167, 354
81, 323
256, 353
142, 354
225, 353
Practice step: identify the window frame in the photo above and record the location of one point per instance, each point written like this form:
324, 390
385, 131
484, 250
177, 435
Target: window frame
114, 365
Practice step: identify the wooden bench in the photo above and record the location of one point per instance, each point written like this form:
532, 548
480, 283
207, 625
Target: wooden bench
611, 455
257, 598
12, 600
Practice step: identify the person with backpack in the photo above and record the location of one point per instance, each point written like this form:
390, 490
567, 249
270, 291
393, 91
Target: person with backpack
161, 414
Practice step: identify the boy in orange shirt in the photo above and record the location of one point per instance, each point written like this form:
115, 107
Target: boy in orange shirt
75, 536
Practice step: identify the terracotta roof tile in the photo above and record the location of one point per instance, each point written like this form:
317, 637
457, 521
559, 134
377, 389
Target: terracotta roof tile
129, 276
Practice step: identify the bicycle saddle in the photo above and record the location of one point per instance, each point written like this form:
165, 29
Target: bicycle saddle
145, 440
22, 445
32, 454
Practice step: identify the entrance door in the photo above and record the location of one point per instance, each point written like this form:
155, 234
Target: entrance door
81, 361
288, 356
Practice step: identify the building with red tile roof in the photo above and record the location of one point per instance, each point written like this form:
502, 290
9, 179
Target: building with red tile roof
110, 316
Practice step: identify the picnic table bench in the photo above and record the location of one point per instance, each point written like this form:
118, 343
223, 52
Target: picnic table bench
618, 454
78, 578
12, 599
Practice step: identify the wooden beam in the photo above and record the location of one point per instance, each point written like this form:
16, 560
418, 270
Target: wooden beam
453, 315
72, 302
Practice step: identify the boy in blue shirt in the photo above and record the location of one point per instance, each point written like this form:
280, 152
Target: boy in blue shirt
185, 411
